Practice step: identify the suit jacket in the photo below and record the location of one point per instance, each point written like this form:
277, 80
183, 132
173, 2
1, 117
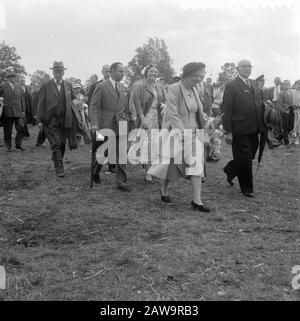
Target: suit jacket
243, 108
177, 114
27, 100
285, 100
143, 99
271, 92
91, 91
48, 100
106, 108
12, 101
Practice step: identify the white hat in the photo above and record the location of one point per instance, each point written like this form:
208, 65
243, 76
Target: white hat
76, 86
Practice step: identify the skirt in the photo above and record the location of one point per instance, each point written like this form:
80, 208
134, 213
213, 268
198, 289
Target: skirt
186, 157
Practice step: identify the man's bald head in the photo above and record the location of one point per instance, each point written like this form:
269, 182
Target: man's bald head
244, 68
106, 71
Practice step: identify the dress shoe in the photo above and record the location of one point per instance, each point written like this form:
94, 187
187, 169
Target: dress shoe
112, 169
248, 194
60, 172
212, 159
96, 179
20, 148
200, 208
124, 188
272, 146
148, 178
229, 179
164, 198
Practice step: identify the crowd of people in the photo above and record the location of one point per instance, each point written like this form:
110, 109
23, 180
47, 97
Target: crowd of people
242, 111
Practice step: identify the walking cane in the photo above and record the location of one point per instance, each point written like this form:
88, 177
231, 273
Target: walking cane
93, 157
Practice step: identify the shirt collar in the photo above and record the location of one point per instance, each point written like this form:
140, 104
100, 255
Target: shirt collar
113, 82
245, 80
57, 82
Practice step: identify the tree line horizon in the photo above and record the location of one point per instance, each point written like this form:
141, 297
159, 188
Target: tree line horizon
153, 51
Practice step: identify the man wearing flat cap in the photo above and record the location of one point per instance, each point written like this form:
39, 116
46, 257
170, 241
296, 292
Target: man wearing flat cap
54, 114
13, 112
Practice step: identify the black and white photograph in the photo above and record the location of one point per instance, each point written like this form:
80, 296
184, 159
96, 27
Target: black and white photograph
149, 152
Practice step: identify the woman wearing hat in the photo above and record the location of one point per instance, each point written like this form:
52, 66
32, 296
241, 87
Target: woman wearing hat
184, 117
149, 98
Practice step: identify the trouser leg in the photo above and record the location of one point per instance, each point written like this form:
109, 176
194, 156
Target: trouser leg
7, 130
54, 134
244, 149
121, 175
96, 167
20, 128
41, 137
285, 125
231, 169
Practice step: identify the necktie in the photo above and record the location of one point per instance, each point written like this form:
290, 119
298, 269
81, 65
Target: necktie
58, 84
117, 90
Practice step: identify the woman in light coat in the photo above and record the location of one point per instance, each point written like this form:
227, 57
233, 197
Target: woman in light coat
184, 116
149, 98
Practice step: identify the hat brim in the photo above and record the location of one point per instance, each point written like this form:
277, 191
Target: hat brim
60, 69
10, 75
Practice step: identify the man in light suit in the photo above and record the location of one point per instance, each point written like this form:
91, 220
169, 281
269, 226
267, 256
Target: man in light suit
243, 120
109, 106
273, 92
13, 111
54, 114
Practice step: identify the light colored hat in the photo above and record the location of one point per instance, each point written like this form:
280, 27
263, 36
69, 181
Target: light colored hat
58, 65
76, 86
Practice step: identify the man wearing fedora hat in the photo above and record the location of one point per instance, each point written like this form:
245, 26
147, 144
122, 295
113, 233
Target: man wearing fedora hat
13, 112
54, 114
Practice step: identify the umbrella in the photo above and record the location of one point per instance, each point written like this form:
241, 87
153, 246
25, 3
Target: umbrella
262, 144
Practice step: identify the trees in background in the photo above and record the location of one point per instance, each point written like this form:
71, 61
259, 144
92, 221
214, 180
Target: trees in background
229, 72
9, 60
38, 78
154, 51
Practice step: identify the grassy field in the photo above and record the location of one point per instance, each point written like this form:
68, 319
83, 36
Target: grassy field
59, 240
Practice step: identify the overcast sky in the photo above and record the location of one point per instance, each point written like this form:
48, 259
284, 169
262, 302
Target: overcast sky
85, 34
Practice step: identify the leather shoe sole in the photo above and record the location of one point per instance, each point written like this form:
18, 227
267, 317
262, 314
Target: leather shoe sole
124, 188
20, 148
229, 180
96, 179
248, 194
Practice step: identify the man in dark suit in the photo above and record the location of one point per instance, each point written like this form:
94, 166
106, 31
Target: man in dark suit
109, 106
13, 112
54, 114
27, 100
243, 120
